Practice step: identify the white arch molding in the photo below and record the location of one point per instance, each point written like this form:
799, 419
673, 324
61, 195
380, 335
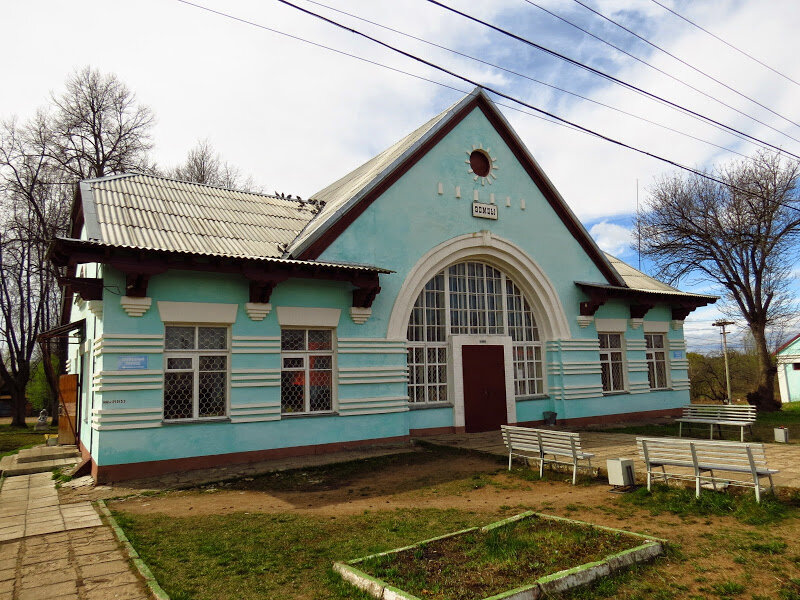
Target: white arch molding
498, 252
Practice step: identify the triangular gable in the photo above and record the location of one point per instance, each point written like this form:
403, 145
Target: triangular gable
786, 345
351, 195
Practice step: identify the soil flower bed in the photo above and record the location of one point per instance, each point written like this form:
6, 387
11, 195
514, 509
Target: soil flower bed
521, 557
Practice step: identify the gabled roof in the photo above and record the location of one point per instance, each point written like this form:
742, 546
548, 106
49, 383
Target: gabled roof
350, 196
787, 344
636, 280
158, 213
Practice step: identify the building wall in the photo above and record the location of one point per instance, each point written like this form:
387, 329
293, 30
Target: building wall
788, 377
405, 223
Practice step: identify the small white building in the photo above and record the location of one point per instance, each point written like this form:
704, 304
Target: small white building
788, 357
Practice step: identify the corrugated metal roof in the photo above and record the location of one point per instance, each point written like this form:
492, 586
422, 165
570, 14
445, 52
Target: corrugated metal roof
74, 243
158, 213
637, 280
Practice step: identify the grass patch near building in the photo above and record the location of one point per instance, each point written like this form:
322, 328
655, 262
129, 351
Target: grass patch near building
478, 564
14, 439
273, 555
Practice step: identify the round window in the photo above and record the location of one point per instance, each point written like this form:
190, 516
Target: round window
479, 163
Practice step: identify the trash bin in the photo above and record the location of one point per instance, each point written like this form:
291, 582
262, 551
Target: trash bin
782, 435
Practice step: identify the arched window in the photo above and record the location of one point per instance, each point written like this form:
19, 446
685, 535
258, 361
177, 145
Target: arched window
470, 298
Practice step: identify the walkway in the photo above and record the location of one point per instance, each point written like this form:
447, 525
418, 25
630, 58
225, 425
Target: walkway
58, 551
784, 457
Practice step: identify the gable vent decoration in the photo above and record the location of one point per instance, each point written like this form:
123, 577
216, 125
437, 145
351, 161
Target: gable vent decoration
482, 165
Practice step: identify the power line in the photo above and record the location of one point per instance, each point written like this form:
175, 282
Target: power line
683, 62
560, 120
659, 70
739, 50
607, 76
544, 83
499, 93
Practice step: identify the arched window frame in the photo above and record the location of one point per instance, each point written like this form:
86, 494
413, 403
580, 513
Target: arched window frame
463, 298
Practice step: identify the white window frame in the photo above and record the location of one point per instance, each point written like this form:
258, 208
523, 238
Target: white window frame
605, 358
305, 355
195, 355
650, 358
535, 386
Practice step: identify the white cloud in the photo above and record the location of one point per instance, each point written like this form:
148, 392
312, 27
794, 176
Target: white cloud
612, 238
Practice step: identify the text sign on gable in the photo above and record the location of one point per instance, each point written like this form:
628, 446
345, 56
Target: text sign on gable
484, 211
132, 363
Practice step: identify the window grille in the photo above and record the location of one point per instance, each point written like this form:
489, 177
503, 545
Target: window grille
656, 361
611, 363
470, 298
196, 365
306, 370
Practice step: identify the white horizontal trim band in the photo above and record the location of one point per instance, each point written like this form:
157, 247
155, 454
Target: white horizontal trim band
106, 380
275, 350
131, 411
343, 401
255, 419
137, 336
355, 381
347, 351
123, 419
236, 371
275, 411
269, 338
364, 369
255, 405
268, 376
256, 384
382, 340
374, 412
115, 427
131, 373
125, 388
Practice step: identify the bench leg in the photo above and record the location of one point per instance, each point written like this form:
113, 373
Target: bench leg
649, 476
758, 491
541, 467
664, 475
574, 472
509, 461
771, 486
697, 486
680, 429
712, 431
713, 481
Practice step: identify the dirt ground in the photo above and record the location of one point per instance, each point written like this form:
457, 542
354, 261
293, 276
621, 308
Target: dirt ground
708, 545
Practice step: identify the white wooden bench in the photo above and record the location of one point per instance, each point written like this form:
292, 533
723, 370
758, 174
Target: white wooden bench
538, 444
703, 458
736, 415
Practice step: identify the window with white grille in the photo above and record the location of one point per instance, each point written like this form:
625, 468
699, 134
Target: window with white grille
470, 298
306, 370
612, 367
656, 361
196, 366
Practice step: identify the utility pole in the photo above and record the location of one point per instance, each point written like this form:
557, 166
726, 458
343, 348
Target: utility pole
722, 323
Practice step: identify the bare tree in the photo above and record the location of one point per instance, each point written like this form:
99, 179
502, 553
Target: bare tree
740, 234
34, 210
203, 164
94, 128
97, 127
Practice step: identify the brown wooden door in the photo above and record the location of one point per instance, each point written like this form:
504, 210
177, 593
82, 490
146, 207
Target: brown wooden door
68, 389
484, 388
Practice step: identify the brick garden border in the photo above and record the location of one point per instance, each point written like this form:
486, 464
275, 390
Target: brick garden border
549, 584
140, 565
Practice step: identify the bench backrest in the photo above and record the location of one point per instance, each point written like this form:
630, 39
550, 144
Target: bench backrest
744, 413
733, 454
544, 441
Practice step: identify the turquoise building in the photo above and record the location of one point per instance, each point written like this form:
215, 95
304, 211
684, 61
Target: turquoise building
788, 356
443, 286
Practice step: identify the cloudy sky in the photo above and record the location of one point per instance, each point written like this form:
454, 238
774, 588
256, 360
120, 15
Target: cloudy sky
298, 116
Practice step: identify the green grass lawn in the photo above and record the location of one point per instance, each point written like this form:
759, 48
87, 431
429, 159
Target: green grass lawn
14, 439
788, 417
274, 555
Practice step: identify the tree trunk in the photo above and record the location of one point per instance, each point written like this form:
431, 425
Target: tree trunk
763, 397
18, 402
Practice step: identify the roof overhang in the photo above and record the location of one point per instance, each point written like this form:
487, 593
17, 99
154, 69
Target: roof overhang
641, 300
263, 273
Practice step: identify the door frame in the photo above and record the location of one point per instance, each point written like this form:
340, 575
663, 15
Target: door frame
455, 373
